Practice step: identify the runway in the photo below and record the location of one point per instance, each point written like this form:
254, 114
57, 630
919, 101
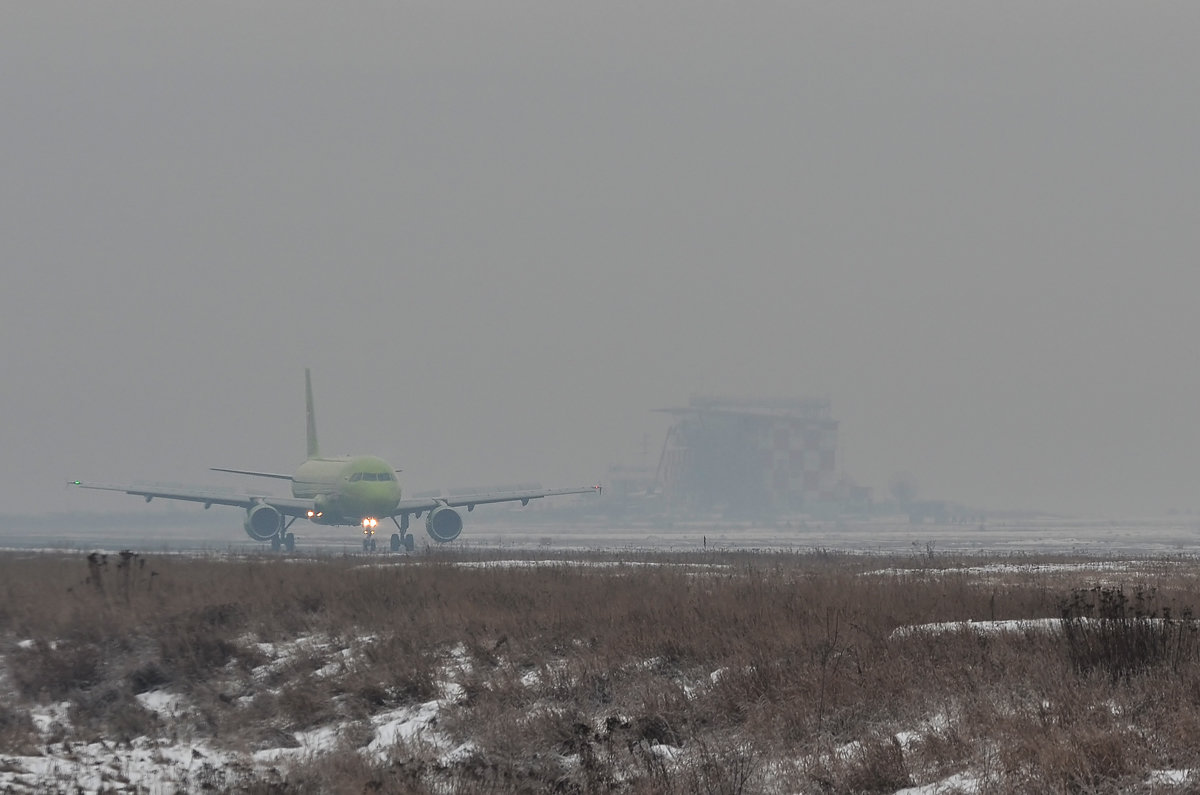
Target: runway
1157, 536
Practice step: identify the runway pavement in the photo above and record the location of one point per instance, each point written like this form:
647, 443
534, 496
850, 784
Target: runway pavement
1179, 535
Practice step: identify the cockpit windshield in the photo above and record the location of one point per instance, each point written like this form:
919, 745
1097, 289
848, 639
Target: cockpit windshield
357, 476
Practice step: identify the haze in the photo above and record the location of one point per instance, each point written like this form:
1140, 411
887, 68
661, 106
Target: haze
501, 233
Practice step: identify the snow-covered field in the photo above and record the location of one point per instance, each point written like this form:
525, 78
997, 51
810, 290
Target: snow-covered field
168, 762
49, 743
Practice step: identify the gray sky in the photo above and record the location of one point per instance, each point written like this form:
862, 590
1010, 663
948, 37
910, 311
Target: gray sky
500, 233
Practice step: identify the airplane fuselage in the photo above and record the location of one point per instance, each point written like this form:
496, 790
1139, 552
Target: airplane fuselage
347, 490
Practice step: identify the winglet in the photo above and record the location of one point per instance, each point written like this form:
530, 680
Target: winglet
313, 450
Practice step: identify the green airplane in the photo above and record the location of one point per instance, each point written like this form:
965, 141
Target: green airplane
358, 491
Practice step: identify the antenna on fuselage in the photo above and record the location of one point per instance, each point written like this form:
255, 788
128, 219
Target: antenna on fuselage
313, 450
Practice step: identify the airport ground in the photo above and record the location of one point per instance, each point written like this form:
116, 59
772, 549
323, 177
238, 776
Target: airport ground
220, 531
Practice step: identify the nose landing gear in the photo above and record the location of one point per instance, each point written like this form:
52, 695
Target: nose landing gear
368, 526
401, 541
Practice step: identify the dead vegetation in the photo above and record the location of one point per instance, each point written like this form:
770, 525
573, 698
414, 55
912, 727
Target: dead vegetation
715, 673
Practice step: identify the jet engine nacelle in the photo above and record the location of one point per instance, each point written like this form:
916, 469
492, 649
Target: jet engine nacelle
262, 522
443, 524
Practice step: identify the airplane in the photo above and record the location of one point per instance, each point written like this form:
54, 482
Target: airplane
357, 491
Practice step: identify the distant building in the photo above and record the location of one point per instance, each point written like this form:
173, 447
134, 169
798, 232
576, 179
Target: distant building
750, 457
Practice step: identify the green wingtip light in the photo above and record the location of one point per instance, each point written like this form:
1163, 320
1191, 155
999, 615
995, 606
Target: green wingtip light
77, 482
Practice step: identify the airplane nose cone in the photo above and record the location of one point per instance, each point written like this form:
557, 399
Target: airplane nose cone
376, 500
381, 500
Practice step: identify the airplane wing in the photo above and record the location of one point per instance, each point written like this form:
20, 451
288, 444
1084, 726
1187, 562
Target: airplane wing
288, 506
471, 500
252, 472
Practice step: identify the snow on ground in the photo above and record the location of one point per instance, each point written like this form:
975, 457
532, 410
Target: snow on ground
1046, 625
968, 783
666, 752
403, 725
415, 725
959, 782
407, 725
1017, 568
1170, 778
339, 664
284, 654
591, 564
309, 744
160, 765
719, 674
168, 706
1025, 625
47, 716
143, 765
933, 724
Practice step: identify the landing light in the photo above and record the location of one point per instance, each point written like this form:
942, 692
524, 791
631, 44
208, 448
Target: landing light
311, 514
369, 523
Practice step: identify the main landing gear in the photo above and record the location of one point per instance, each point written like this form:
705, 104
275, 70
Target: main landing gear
285, 541
403, 538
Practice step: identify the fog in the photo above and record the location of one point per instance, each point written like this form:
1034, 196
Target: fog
501, 233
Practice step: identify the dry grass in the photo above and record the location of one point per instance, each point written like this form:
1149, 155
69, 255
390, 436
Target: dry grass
720, 673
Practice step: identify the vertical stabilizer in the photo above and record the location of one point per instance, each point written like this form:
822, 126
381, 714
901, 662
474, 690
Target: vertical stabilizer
313, 450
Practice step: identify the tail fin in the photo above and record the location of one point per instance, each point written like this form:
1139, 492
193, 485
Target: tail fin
313, 450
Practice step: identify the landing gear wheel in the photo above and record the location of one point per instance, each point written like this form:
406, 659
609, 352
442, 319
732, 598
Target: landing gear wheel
275, 543
289, 542
366, 545
410, 543
395, 542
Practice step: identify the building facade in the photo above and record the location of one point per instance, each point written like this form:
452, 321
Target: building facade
750, 457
